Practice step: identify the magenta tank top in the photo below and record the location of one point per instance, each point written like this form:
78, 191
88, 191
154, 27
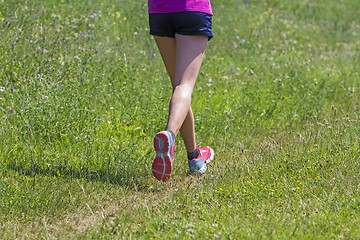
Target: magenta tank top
170, 6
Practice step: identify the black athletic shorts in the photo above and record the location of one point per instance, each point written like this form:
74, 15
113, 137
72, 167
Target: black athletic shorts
184, 23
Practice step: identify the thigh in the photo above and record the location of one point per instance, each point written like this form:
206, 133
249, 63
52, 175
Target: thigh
167, 49
190, 51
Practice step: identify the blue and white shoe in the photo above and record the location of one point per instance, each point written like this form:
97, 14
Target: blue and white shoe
198, 165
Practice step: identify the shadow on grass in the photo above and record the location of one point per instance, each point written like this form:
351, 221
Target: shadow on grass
126, 173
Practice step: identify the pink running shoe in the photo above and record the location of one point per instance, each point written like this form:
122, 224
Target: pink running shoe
198, 165
165, 148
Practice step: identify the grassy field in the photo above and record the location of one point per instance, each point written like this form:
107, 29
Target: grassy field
83, 91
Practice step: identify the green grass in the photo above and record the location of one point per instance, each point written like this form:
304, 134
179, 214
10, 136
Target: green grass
83, 90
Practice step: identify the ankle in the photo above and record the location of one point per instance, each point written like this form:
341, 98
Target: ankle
194, 154
172, 134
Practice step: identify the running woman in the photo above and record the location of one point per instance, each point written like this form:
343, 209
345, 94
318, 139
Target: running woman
181, 29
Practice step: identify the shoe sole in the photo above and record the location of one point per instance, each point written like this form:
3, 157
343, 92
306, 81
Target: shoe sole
162, 165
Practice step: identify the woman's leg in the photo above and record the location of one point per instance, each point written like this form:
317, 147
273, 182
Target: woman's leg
182, 57
190, 51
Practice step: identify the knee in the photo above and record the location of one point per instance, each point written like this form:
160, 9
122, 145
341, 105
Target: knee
183, 91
